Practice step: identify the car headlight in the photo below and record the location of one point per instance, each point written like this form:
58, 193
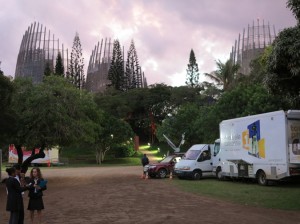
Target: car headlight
183, 168
152, 167
186, 168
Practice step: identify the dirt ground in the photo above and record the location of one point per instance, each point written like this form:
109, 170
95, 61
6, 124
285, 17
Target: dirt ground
118, 195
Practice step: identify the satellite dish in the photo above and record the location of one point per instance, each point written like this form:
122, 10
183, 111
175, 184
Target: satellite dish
171, 144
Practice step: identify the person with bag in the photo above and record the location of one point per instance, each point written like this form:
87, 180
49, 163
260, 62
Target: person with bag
36, 188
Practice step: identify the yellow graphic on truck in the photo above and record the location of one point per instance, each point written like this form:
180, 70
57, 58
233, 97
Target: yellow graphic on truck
252, 142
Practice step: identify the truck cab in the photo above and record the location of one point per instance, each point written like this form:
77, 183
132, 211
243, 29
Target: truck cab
196, 163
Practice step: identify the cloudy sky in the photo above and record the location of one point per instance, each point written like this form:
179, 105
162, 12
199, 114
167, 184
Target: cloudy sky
164, 31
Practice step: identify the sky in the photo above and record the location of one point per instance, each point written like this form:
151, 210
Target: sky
164, 31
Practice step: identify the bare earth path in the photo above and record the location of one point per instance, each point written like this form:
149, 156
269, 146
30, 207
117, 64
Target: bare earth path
118, 195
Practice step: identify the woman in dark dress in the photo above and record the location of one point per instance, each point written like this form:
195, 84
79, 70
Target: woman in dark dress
36, 194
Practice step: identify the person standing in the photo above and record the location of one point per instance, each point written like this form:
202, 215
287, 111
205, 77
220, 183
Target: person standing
14, 197
37, 186
20, 179
145, 162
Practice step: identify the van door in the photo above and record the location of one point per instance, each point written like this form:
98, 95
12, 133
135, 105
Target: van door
205, 163
216, 155
294, 140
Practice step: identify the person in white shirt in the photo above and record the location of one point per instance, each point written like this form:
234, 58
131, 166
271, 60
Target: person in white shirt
22, 183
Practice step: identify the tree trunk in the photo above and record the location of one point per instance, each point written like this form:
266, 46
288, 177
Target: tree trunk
103, 153
20, 154
33, 156
98, 156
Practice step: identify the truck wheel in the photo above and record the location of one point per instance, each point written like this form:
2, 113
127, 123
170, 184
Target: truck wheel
219, 174
197, 175
162, 173
261, 178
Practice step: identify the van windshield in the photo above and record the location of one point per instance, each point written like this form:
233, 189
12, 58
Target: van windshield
192, 154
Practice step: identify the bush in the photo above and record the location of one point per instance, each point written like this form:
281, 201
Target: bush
123, 151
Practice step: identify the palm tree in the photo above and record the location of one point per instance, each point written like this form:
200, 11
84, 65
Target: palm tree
225, 74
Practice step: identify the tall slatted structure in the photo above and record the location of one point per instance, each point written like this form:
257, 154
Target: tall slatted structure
251, 44
97, 73
38, 47
99, 64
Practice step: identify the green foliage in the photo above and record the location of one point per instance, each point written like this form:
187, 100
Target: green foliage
75, 71
136, 105
158, 101
47, 70
182, 122
116, 69
192, 72
201, 123
246, 100
6, 116
113, 131
124, 151
52, 113
1, 72
294, 5
132, 70
225, 74
59, 66
283, 66
258, 69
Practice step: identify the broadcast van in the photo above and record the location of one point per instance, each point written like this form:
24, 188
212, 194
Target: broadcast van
265, 147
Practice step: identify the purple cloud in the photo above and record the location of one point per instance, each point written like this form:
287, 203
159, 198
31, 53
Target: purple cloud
164, 30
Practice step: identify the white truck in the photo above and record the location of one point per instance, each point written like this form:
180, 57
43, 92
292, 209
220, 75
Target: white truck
264, 146
196, 163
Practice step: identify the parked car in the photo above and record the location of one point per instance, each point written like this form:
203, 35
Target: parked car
164, 167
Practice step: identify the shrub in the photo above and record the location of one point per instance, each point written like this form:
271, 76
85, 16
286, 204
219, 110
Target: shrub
124, 151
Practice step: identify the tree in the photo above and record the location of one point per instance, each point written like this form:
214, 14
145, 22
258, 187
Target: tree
201, 123
258, 68
283, 66
6, 115
47, 70
225, 74
133, 76
246, 100
75, 70
49, 114
59, 66
192, 76
294, 5
283, 62
181, 122
116, 69
1, 72
113, 131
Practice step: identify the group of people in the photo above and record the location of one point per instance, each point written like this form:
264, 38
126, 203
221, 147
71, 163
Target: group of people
16, 185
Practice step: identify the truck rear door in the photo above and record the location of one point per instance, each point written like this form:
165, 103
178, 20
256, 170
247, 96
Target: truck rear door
293, 125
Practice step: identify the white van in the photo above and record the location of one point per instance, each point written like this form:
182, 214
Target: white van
196, 162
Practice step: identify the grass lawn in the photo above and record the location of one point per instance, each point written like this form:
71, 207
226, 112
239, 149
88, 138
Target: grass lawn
281, 196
